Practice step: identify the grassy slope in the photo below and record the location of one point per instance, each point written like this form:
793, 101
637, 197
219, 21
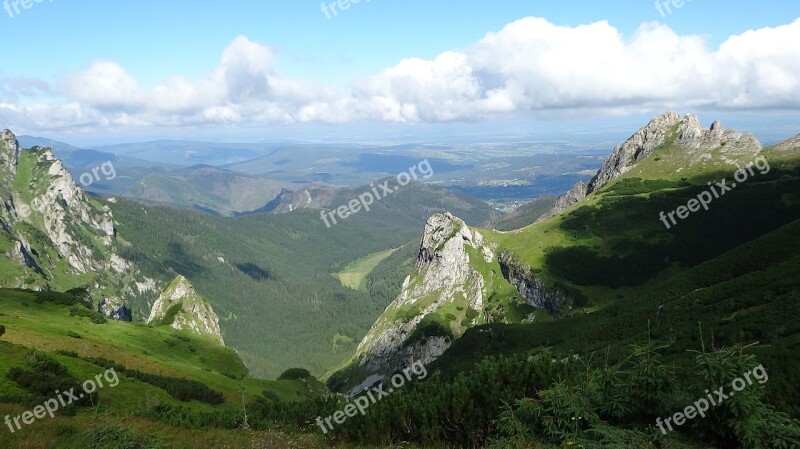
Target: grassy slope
158, 350
734, 268
355, 273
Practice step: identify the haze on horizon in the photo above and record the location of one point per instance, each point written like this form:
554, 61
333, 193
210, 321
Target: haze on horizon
377, 71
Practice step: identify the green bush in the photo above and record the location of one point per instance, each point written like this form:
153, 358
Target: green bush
42, 376
294, 374
116, 437
2, 330
73, 334
94, 317
169, 317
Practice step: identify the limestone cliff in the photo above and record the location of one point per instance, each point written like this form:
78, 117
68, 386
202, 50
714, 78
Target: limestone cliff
691, 145
414, 326
531, 286
181, 307
54, 235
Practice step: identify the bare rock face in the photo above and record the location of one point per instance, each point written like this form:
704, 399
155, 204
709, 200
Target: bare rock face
788, 145
9, 155
531, 287
55, 230
443, 276
686, 134
638, 146
115, 308
575, 194
184, 309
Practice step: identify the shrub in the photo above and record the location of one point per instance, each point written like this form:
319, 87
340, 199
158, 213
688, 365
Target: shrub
94, 317
114, 437
73, 334
2, 330
43, 375
181, 389
294, 374
169, 317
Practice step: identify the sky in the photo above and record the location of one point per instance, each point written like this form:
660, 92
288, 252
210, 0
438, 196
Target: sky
100, 71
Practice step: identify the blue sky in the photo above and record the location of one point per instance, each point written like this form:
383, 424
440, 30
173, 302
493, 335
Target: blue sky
317, 67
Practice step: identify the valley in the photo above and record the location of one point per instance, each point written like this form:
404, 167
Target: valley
336, 301
402, 225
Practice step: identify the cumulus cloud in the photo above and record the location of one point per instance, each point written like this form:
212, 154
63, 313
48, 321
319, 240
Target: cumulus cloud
530, 65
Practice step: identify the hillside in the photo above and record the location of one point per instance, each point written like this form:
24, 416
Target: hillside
594, 252
609, 282
55, 237
172, 387
279, 269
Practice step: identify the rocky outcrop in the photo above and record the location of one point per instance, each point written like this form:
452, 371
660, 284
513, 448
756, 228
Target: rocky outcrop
181, 307
115, 308
788, 145
575, 194
55, 234
638, 146
684, 133
531, 287
9, 157
444, 275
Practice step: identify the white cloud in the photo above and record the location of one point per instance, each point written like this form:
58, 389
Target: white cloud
530, 65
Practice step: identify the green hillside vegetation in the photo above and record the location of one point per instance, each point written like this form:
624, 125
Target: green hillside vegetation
727, 277
169, 381
546, 400
270, 275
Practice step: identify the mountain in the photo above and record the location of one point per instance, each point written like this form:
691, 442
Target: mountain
189, 153
208, 189
602, 242
53, 236
673, 275
180, 307
690, 147
444, 286
199, 186
274, 275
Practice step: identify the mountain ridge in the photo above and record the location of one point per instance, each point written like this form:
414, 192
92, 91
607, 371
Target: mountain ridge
674, 139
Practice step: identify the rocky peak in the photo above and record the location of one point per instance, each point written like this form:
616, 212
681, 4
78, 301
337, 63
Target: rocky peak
641, 145
9, 155
444, 242
181, 307
443, 276
685, 133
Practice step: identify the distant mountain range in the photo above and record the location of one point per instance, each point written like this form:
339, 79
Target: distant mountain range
231, 179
